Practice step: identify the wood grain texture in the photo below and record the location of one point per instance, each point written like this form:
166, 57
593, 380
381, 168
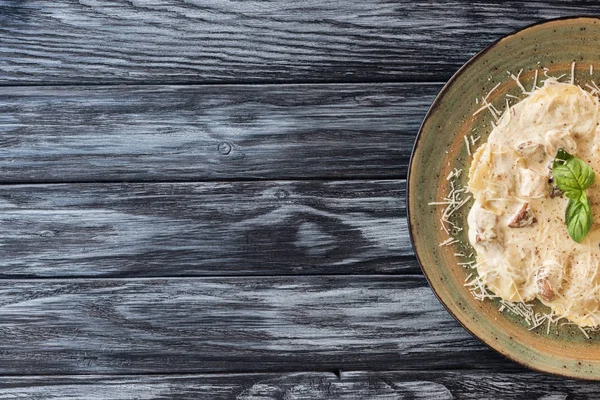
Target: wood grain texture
187, 229
168, 133
117, 314
355, 385
84, 41
230, 324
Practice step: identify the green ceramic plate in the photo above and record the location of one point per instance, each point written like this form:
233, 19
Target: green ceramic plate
440, 148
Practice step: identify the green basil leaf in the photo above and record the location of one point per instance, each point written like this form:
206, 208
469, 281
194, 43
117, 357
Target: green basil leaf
586, 174
566, 179
578, 217
561, 157
574, 194
572, 174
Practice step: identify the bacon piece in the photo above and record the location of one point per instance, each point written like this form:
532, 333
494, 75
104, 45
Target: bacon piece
548, 280
524, 217
545, 289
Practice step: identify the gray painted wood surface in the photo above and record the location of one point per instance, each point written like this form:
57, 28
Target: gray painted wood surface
105, 41
230, 324
187, 229
355, 385
116, 133
205, 199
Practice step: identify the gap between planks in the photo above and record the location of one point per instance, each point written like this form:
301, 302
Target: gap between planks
518, 370
332, 82
391, 177
209, 277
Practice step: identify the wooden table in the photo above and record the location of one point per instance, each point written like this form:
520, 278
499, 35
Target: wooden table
206, 199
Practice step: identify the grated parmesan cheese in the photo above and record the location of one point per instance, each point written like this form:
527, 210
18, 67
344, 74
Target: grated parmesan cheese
467, 145
516, 79
535, 81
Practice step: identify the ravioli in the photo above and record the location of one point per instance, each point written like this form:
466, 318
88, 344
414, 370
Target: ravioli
516, 223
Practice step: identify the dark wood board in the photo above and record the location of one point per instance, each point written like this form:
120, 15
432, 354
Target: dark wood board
355, 385
70, 41
222, 132
227, 324
206, 200
187, 229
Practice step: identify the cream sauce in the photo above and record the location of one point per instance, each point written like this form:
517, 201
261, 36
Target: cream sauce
509, 177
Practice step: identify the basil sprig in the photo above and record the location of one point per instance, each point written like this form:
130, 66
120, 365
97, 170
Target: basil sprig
573, 176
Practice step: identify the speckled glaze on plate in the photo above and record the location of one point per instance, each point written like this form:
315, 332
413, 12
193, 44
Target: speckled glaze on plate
440, 147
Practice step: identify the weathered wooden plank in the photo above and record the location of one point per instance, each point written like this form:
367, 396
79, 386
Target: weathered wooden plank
359, 385
116, 133
230, 324
187, 229
254, 41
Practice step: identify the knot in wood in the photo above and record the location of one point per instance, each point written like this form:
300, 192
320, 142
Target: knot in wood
281, 194
224, 148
